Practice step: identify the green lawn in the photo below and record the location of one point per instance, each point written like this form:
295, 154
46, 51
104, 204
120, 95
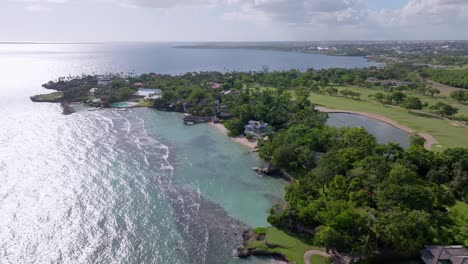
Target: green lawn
446, 132
365, 92
52, 97
145, 103
278, 241
314, 259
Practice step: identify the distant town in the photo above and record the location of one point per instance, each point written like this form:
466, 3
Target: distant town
425, 53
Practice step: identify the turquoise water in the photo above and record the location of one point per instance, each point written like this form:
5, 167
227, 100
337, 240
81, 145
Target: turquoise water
207, 161
122, 104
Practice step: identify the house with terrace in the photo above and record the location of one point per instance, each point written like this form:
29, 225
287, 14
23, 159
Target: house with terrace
444, 255
256, 129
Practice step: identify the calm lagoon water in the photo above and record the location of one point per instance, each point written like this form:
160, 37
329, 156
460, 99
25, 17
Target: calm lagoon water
125, 187
383, 132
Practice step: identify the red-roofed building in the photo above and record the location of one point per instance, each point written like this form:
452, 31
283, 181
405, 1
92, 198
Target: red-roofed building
214, 85
139, 84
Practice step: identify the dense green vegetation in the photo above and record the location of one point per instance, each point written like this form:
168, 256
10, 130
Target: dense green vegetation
364, 197
118, 91
76, 89
459, 96
452, 77
459, 214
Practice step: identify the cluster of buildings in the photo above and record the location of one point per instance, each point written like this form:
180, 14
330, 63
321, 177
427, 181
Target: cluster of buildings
394, 83
142, 93
148, 94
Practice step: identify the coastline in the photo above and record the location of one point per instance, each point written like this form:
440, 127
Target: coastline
241, 140
429, 139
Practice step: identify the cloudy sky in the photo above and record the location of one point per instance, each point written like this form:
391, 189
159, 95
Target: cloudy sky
231, 20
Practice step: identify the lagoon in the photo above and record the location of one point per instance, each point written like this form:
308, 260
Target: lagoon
383, 132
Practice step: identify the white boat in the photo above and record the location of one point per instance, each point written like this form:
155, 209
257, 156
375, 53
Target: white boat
122, 109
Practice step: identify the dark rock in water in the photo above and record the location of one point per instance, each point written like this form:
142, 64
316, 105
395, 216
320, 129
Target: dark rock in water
206, 226
269, 170
243, 252
191, 119
67, 109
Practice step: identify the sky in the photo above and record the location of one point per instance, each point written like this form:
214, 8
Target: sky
232, 20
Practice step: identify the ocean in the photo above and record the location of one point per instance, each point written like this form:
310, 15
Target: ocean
126, 187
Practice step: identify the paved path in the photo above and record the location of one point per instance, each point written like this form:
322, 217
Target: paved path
430, 140
309, 253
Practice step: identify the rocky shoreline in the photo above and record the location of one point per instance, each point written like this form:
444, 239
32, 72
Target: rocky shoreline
249, 248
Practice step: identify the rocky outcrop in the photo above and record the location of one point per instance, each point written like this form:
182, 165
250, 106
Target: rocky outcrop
191, 119
67, 109
248, 249
270, 170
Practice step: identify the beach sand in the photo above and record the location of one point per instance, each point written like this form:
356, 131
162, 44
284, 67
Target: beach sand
241, 140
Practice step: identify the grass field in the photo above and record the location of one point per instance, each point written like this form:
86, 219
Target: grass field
290, 247
145, 103
445, 90
51, 97
318, 260
448, 133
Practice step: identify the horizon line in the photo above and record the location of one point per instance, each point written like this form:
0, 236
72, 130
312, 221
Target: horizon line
222, 41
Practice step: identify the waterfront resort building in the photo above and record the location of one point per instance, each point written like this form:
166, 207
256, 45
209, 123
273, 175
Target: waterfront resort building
104, 81
256, 129
148, 94
444, 255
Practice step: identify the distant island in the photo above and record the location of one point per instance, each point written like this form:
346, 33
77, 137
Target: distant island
350, 198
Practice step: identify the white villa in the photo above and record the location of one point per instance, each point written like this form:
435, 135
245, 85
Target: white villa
93, 91
148, 94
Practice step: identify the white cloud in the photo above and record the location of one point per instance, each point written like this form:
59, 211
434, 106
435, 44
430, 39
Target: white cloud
167, 3
304, 19
39, 5
36, 8
418, 17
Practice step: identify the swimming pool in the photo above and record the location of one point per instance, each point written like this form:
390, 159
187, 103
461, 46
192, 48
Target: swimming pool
123, 104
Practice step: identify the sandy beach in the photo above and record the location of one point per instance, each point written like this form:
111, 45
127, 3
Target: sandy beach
430, 140
241, 140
